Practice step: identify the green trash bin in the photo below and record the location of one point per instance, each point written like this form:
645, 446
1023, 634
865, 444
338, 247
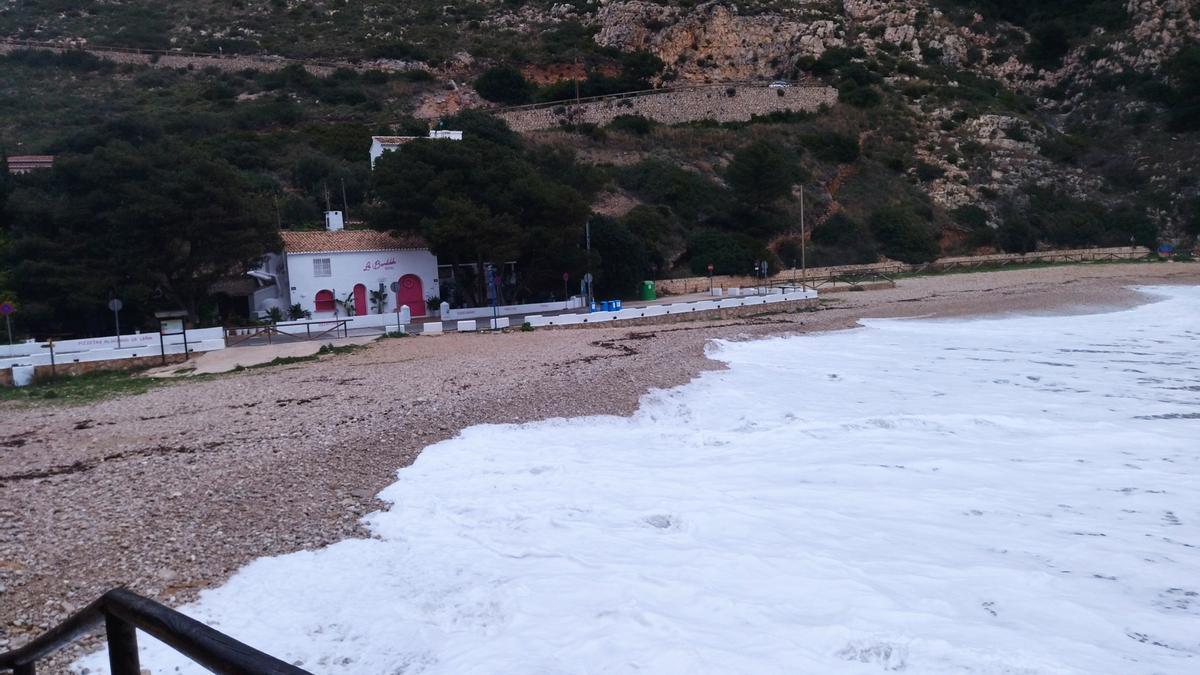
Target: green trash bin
648, 290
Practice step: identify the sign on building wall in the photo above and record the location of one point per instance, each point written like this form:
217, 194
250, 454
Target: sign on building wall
379, 264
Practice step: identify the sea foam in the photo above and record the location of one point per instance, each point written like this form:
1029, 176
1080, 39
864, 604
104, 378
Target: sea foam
1011, 495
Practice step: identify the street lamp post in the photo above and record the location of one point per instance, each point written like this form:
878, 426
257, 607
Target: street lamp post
803, 247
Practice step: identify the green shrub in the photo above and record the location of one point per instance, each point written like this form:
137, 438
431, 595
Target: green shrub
763, 172
623, 260
1067, 148
927, 172
859, 96
842, 241
970, 216
831, 147
1048, 44
727, 252
903, 235
1016, 235
504, 84
690, 195
633, 124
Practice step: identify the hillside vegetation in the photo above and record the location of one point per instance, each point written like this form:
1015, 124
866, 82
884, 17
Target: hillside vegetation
963, 126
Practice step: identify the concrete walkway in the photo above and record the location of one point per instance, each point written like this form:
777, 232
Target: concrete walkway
225, 360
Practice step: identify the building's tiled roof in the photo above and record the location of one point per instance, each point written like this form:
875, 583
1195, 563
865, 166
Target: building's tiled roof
323, 241
394, 140
27, 162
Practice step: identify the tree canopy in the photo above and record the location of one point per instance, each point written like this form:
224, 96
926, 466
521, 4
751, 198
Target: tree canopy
155, 224
762, 173
903, 235
504, 84
487, 199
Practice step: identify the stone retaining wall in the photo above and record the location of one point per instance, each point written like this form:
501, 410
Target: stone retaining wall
733, 103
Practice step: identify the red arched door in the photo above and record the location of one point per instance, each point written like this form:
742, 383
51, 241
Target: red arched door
324, 301
412, 294
360, 300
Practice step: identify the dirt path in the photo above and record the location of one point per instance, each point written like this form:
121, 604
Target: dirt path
171, 491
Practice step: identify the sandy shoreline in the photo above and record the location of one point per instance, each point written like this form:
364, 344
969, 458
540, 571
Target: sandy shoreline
171, 491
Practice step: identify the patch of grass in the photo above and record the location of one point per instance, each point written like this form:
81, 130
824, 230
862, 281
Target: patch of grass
77, 389
325, 350
344, 349
278, 361
1023, 266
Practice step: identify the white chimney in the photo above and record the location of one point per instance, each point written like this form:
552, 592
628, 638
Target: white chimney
333, 221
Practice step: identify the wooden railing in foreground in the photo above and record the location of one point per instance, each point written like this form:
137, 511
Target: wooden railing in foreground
123, 613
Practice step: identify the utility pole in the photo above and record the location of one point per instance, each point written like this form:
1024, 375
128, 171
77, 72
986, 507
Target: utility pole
325, 187
803, 248
587, 232
576, 75
345, 204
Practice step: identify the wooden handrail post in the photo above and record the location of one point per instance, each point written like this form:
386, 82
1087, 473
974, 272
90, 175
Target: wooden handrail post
122, 647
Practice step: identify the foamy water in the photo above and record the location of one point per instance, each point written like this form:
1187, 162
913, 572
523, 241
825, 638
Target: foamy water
1018, 495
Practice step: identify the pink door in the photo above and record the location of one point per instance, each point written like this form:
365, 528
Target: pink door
412, 294
360, 300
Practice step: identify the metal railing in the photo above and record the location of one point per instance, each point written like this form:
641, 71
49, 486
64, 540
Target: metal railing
124, 612
888, 271
338, 328
647, 92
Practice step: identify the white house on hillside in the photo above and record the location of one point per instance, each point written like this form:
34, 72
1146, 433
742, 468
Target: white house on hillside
325, 267
382, 144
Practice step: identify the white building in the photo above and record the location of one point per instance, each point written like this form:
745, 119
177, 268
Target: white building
382, 144
333, 273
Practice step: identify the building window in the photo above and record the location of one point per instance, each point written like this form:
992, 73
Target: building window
324, 300
321, 267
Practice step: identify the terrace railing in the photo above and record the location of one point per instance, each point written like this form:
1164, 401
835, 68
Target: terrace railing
312, 330
124, 612
734, 84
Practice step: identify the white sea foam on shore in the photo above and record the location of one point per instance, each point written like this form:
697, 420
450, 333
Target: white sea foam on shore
1015, 495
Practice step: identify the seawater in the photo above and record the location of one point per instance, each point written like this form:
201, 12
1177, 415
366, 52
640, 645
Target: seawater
1001, 495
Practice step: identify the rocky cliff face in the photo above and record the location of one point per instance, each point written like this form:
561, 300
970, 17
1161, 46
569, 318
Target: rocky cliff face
978, 154
713, 41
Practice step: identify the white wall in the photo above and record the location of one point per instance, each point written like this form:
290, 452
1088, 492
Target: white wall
575, 302
369, 268
104, 348
659, 310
